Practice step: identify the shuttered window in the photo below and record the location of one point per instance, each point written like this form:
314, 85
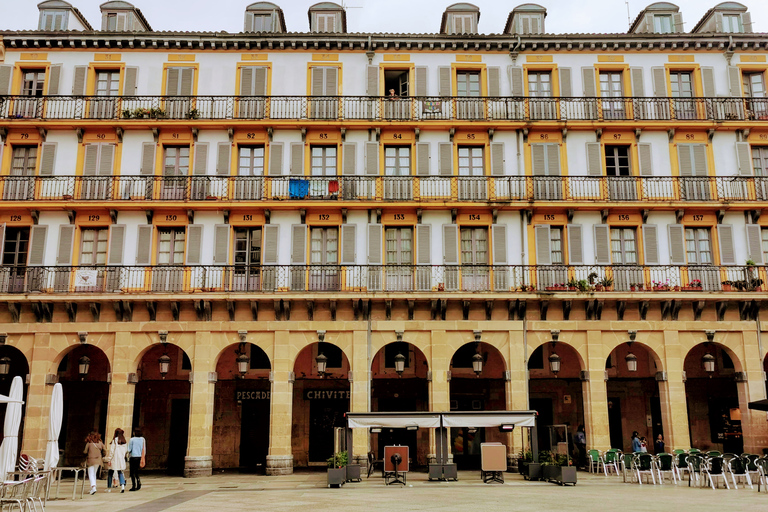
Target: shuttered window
180, 81
397, 160
253, 81
467, 83
32, 82
247, 247
221, 244
250, 161
424, 244
93, 246
399, 246
556, 245
539, 84
23, 160
662, 23
698, 246
107, 83
623, 246
323, 160
725, 238
617, 161
324, 81
348, 244
682, 84
324, 246
15, 246
170, 246
474, 246
756, 243
575, 234
763, 244
471, 161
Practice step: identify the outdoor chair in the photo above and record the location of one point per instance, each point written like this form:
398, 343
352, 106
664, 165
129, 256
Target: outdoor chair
665, 464
714, 453
714, 469
750, 461
728, 456
738, 469
373, 462
762, 473
644, 466
37, 492
694, 450
610, 459
678, 451
15, 493
627, 466
681, 465
695, 465
593, 459
27, 463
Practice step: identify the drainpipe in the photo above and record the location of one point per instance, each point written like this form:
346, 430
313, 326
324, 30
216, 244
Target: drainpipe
760, 342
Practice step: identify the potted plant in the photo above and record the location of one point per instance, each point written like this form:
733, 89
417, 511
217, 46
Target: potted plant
727, 286
573, 284
557, 469
156, 113
756, 284
529, 469
126, 113
592, 277
140, 112
193, 114
606, 283
583, 285
660, 286
693, 286
337, 470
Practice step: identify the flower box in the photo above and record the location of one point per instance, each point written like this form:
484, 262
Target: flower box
530, 470
661, 288
727, 287
337, 476
559, 474
555, 288
691, 288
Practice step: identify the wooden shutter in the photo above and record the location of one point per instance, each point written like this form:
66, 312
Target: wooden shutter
148, 158
677, 19
318, 81
131, 81
444, 80
54, 78
588, 81
685, 159
538, 159
144, 245
270, 253
194, 244
187, 81
275, 158
260, 81
37, 238
734, 81
79, 80
5, 80
47, 158
221, 244
372, 81
331, 81
66, 244
172, 82
645, 159
602, 234
755, 243
708, 81
248, 23
246, 81
349, 164
372, 158
746, 22
445, 158
201, 158
553, 159
2, 240
297, 158
543, 252
744, 158
651, 244
497, 158
223, 158
725, 237
659, 76
424, 244
566, 84
116, 244
499, 233
638, 82
91, 160
107, 160
421, 81
718, 22
375, 252
422, 158
594, 159
450, 244
494, 82
575, 244
516, 80
700, 160
298, 244
676, 244
348, 243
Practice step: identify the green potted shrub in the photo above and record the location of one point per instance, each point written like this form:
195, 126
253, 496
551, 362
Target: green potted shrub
529, 469
606, 283
156, 113
573, 284
337, 469
193, 114
140, 113
126, 113
557, 468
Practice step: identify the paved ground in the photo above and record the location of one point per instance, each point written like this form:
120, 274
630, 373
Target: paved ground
306, 490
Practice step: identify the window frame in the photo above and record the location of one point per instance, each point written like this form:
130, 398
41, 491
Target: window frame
397, 157
622, 241
475, 243
398, 242
252, 158
99, 232
174, 238
697, 240
325, 231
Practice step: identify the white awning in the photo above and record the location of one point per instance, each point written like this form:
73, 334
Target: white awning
401, 420
432, 419
457, 419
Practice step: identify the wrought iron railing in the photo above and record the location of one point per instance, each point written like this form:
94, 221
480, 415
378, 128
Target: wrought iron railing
376, 108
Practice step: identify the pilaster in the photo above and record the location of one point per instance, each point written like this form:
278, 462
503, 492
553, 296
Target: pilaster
199, 459
672, 397
596, 395
280, 458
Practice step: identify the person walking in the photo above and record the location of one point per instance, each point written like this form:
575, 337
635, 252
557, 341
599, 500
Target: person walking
137, 451
636, 444
118, 449
580, 439
94, 451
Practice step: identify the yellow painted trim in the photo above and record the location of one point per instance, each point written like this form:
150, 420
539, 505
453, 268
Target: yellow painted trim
102, 57
339, 78
33, 56
164, 83
698, 89
468, 58
400, 57
388, 66
625, 77
680, 58
553, 70
610, 58
95, 67
539, 58
18, 76
253, 56
184, 57
238, 72
325, 57
468, 66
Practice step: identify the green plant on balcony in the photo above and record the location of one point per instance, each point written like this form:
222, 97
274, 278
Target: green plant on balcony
156, 113
126, 113
583, 285
193, 114
573, 284
140, 112
592, 277
604, 284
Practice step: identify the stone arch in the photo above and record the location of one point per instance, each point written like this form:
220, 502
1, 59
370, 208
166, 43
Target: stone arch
300, 341
574, 341
419, 362
226, 364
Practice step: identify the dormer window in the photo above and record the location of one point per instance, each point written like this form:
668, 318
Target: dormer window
529, 24
732, 24
327, 18
326, 22
460, 19
463, 24
662, 23
262, 23
53, 20
526, 19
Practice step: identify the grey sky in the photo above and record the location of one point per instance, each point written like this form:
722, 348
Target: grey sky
398, 16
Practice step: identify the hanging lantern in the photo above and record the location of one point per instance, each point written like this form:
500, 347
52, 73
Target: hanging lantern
477, 363
84, 364
709, 362
322, 362
5, 365
242, 361
399, 363
554, 363
165, 364
631, 362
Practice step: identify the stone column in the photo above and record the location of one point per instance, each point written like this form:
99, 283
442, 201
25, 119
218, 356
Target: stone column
596, 395
199, 459
674, 403
360, 390
753, 423
121, 393
517, 386
280, 458
38, 404
439, 389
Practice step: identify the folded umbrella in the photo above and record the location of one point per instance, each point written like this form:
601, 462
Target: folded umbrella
54, 428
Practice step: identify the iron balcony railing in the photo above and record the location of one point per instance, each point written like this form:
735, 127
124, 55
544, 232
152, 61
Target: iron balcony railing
376, 108
506, 279
385, 188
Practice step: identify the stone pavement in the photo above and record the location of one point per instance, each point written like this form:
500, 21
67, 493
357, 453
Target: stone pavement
307, 491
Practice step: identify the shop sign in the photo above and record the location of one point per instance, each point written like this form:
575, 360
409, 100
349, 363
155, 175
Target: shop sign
326, 394
252, 395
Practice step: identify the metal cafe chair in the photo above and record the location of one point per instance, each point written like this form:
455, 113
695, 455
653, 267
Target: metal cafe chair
695, 464
373, 462
714, 468
37, 492
680, 464
762, 473
15, 493
665, 464
610, 459
627, 466
738, 469
750, 461
644, 466
594, 458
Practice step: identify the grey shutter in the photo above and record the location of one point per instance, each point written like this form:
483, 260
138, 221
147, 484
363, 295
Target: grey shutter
594, 160
79, 81
755, 243
588, 81
700, 160
499, 232
187, 81
331, 81
725, 237
424, 244
746, 22
644, 157
269, 253
66, 244
246, 81
54, 79
497, 158
708, 81
421, 81
221, 244
91, 162
260, 81
47, 158
494, 82
144, 245
575, 244
372, 81
37, 238
445, 158
638, 82
107, 160
275, 158
516, 80
223, 158
659, 76
553, 159
602, 244
172, 82
201, 158
677, 18
372, 158
685, 159
131, 81
375, 252
450, 244
566, 84
348, 243
422, 158
298, 244
148, 158
194, 244
718, 22
444, 75
651, 244
5, 80
543, 252
676, 244
248, 22
744, 158
2, 240
734, 81
116, 244
297, 158
317, 77
538, 159
349, 164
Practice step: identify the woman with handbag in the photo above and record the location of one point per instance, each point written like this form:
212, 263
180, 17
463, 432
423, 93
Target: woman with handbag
94, 451
137, 451
115, 459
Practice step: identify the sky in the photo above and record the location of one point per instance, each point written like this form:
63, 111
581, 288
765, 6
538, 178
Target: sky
396, 16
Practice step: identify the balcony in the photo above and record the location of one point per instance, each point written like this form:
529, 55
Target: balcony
410, 189
371, 108
376, 279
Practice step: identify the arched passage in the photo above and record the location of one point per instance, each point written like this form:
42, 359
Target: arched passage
15, 365
241, 408
161, 405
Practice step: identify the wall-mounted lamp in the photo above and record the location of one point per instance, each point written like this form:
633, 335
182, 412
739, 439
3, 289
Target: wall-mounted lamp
242, 360
630, 357
165, 364
322, 362
554, 359
3, 337
709, 363
5, 366
163, 336
83, 336
83, 365
477, 359
399, 364
507, 428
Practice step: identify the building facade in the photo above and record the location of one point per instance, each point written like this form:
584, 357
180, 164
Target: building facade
229, 240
